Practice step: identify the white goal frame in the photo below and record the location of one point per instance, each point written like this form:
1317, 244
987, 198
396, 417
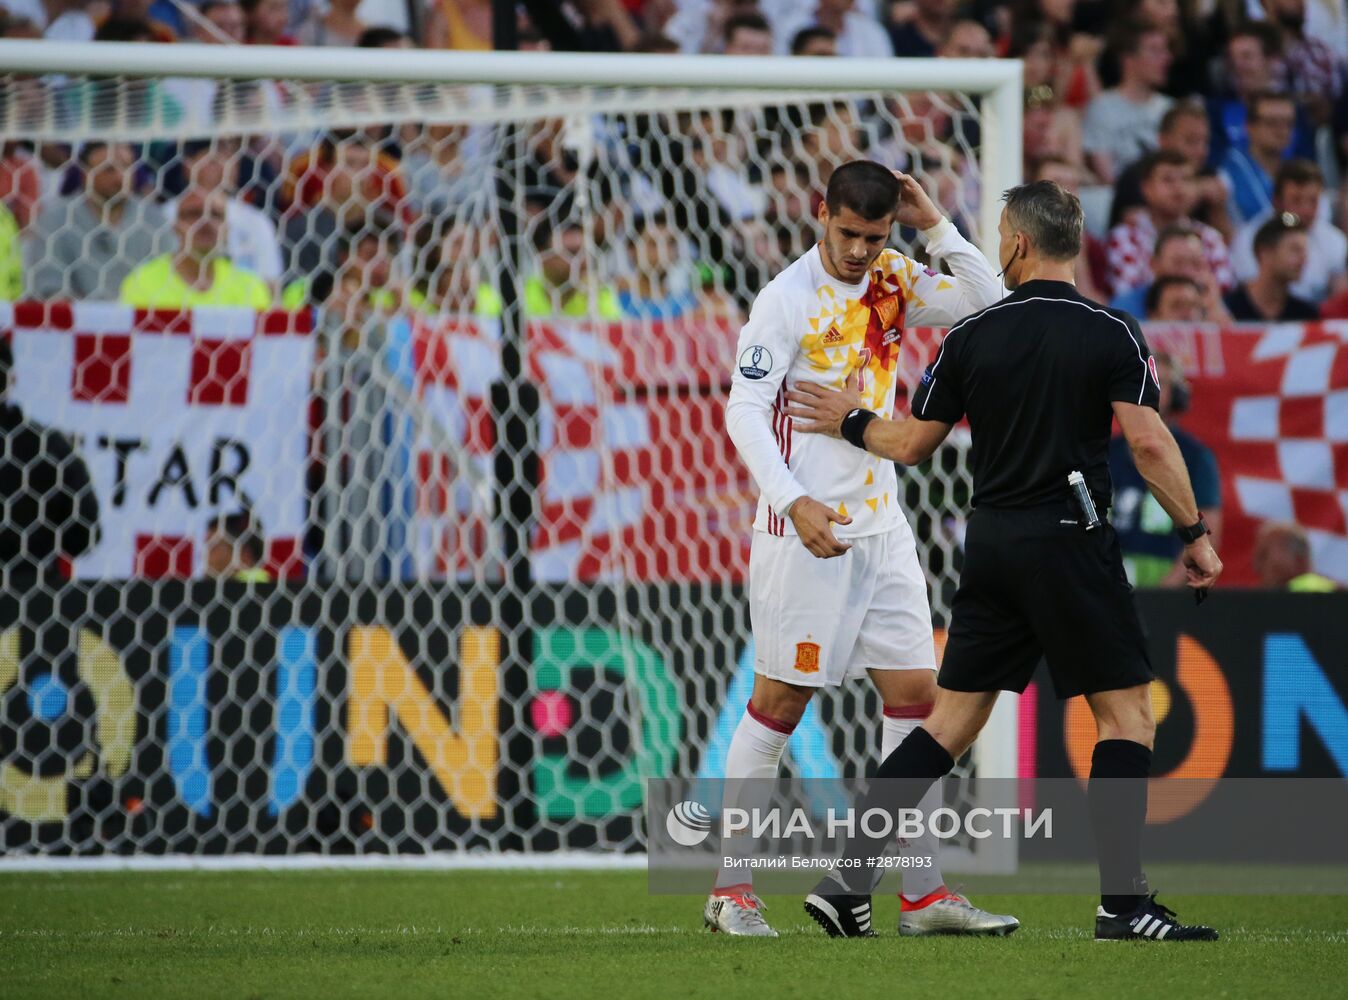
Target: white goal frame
997, 83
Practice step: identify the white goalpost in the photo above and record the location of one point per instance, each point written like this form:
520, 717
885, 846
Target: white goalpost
432, 549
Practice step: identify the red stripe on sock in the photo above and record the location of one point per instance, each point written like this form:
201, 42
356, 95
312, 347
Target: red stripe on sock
909, 711
773, 724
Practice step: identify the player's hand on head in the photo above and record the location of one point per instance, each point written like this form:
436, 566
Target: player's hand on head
814, 525
1201, 564
916, 208
819, 409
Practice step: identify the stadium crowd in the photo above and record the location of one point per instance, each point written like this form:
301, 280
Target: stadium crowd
1206, 138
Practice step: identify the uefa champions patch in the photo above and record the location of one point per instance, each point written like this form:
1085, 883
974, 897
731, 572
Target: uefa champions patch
755, 362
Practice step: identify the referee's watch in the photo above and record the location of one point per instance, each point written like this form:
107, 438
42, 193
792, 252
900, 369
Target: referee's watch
1194, 531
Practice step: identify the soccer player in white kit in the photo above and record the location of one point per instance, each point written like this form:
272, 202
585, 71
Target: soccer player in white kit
835, 589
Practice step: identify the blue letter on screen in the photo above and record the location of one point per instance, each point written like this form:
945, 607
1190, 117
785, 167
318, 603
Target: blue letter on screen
295, 683
189, 658
1294, 685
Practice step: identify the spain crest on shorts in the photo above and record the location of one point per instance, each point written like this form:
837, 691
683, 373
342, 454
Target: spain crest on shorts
807, 657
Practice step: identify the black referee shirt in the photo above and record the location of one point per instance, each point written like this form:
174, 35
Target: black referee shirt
1036, 374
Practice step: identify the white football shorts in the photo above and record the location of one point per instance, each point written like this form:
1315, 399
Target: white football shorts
818, 622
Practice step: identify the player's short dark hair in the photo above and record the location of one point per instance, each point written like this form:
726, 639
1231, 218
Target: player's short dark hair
1297, 172
864, 187
1158, 289
1174, 231
805, 36
749, 20
1272, 232
1157, 159
1049, 215
378, 36
244, 530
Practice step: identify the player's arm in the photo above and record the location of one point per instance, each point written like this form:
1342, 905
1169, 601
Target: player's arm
754, 387
821, 409
939, 299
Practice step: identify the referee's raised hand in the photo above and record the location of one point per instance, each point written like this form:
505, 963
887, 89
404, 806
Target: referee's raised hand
814, 524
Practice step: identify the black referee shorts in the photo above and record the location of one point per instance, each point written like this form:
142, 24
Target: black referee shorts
1036, 584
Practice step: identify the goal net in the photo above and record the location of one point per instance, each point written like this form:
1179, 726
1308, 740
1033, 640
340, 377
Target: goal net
388, 507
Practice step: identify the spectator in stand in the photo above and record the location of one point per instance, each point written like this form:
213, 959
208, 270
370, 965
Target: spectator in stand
340, 25
11, 257
665, 284
1186, 130
266, 22
1055, 132
924, 29
1248, 173
1282, 560
857, 33
1122, 123
570, 26
1280, 248
48, 506
333, 189
58, 20
1187, 37
447, 167
1298, 190
814, 41
198, 272
362, 287
1151, 549
1072, 54
1313, 72
251, 239
561, 286
222, 23
235, 549
1178, 254
748, 35
967, 40
450, 271
1250, 68
1168, 196
383, 37
1175, 300
20, 181
83, 246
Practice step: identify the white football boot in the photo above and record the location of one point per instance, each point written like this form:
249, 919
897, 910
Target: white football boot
737, 913
951, 913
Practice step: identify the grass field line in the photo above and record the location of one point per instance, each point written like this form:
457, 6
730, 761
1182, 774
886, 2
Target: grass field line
1294, 936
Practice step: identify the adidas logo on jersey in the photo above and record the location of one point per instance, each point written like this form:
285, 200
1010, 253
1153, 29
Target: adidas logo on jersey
833, 337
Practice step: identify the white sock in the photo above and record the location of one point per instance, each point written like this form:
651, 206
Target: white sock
917, 882
755, 755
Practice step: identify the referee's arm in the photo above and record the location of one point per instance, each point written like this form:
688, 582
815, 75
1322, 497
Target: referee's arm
1161, 466
820, 409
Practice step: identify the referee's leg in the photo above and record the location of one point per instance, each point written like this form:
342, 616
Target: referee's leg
1117, 791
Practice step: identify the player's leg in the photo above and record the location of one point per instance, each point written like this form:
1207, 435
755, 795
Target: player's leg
897, 633
796, 618
927, 905
841, 903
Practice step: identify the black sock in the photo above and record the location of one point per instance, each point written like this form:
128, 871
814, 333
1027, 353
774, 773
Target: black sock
900, 782
1117, 797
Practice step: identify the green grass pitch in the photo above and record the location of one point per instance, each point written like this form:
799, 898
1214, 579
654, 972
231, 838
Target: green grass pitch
566, 934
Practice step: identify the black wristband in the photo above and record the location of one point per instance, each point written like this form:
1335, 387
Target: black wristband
853, 429
1194, 531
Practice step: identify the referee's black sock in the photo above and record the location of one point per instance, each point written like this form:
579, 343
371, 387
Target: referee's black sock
1117, 797
900, 782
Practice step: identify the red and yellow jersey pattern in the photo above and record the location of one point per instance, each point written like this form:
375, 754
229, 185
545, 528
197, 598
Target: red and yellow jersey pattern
807, 326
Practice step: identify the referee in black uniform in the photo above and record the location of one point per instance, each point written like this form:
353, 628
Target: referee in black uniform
1041, 376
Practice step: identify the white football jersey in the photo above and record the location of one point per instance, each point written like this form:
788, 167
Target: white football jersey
807, 326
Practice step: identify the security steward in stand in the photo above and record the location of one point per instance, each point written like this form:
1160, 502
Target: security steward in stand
1041, 376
